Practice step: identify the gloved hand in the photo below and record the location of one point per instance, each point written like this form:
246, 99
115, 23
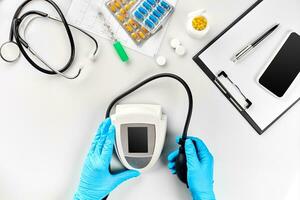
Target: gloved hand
200, 168
96, 181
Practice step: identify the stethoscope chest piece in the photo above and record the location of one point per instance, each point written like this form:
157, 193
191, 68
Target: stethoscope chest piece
10, 52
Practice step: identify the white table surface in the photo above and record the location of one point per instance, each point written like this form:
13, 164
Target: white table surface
48, 123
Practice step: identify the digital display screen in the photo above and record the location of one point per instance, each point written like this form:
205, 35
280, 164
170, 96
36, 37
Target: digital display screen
285, 67
137, 139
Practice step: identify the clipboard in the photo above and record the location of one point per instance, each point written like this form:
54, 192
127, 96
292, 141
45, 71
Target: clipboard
216, 79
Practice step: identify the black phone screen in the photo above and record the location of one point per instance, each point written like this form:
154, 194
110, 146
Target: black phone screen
284, 68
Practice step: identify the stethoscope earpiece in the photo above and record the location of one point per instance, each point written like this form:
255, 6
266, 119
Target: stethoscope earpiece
93, 56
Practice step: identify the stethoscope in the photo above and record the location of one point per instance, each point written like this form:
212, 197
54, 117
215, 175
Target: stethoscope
10, 51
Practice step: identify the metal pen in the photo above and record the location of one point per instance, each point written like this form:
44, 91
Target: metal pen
241, 54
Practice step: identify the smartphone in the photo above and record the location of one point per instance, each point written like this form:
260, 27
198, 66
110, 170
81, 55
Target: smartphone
283, 68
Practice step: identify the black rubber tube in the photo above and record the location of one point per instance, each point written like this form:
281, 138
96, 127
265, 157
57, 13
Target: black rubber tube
150, 79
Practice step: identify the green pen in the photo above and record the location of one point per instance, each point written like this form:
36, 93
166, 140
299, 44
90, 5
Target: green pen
119, 48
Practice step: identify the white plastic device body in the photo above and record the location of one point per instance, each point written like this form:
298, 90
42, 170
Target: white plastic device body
138, 125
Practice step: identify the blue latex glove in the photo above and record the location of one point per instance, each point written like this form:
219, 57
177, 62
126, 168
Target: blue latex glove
96, 181
200, 164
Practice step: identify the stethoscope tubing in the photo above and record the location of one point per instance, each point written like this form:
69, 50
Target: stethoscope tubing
36, 55
14, 34
82, 31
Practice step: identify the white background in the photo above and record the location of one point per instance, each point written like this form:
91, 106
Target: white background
48, 123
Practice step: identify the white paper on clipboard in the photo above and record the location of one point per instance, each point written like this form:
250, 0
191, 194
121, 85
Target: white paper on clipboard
266, 108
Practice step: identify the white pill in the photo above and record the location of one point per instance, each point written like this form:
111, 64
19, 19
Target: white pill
175, 43
180, 50
161, 60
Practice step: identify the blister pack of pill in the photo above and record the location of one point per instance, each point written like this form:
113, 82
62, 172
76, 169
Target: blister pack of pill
121, 10
152, 13
140, 18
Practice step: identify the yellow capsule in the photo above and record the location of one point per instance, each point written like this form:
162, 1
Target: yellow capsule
199, 23
127, 7
141, 34
144, 30
121, 18
128, 27
135, 36
117, 3
133, 23
112, 7
123, 2
123, 11
131, 3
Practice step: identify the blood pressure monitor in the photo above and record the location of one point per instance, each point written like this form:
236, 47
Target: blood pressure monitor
140, 134
141, 131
